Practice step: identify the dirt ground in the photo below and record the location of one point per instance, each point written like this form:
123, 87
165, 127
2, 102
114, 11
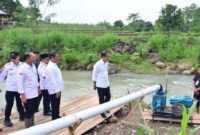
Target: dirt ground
119, 129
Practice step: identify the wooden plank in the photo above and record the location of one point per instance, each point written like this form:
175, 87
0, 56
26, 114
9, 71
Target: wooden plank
68, 105
74, 105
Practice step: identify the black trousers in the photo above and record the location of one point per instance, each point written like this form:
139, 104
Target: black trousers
104, 94
10, 95
55, 104
46, 101
197, 97
30, 107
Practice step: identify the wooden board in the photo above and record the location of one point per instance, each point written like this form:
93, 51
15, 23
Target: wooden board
195, 118
69, 107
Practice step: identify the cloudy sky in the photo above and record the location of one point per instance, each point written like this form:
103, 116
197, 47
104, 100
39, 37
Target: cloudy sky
94, 11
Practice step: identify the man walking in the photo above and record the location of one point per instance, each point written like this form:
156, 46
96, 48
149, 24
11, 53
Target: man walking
196, 87
1, 128
28, 88
10, 73
54, 84
100, 79
43, 87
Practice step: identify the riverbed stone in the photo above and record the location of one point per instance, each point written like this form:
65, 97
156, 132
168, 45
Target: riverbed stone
154, 57
90, 66
183, 67
112, 68
157, 69
160, 64
187, 72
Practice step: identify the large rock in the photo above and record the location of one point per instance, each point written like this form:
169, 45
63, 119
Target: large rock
160, 64
182, 67
157, 69
187, 72
90, 66
123, 47
154, 57
172, 66
112, 69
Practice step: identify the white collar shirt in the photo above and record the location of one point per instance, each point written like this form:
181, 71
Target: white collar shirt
27, 81
42, 74
10, 74
54, 78
100, 74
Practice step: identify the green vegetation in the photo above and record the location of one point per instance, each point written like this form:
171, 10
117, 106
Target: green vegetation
79, 50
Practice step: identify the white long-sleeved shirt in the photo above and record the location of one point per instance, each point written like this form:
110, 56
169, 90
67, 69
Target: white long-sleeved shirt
10, 73
42, 74
54, 78
27, 81
100, 74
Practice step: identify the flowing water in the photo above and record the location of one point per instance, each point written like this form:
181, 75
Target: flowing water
79, 82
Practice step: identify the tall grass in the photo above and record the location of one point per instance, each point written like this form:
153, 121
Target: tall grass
175, 47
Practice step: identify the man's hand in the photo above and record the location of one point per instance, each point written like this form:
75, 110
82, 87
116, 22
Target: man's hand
94, 86
23, 99
1, 69
39, 91
58, 95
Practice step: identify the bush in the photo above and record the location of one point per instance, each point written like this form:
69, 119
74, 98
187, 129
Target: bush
48, 42
119, 58
20, 40
105, 42
157, 42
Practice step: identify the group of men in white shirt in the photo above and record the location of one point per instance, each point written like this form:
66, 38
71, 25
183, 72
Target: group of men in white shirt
22, 83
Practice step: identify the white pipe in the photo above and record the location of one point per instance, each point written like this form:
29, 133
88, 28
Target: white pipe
52, 126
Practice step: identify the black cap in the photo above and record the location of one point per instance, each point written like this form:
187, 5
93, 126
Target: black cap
36, 52
13, 55
43, 56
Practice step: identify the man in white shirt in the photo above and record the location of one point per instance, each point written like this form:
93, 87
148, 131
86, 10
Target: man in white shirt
100, 79
54, 84
28, 87
9, 73
43, 83
1, 128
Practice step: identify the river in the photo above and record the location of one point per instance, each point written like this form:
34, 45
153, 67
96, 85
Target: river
79, 82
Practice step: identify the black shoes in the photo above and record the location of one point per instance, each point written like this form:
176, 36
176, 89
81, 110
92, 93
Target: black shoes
8, 123
103, 115
1, 129
21, 119
47, 114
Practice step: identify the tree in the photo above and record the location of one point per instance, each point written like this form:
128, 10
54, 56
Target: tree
133, 17
196, 21
20, 14
9, 6
137, 25
34, 8
189, 15
104, 23
119, 24
148, 26
171, 18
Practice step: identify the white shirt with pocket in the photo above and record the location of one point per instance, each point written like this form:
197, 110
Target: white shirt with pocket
10, 74
42, 74
100, 74
27, 81
54, 80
